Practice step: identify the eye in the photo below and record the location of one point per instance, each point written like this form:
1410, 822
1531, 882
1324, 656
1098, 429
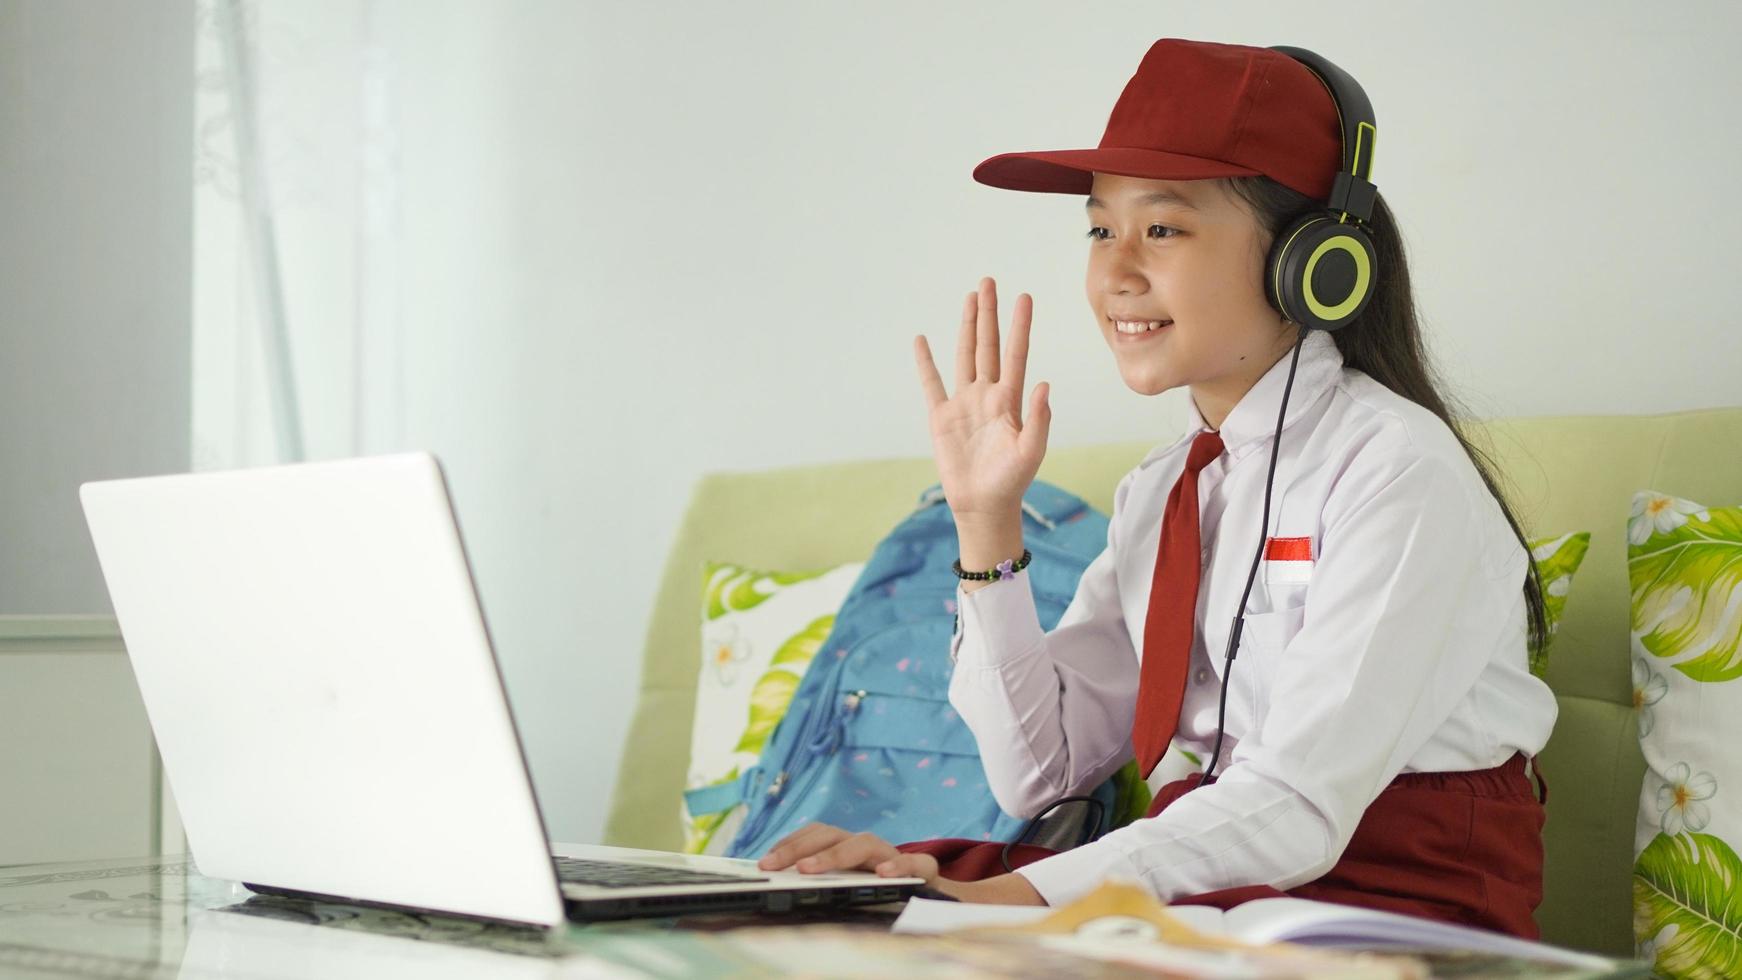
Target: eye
1093, 237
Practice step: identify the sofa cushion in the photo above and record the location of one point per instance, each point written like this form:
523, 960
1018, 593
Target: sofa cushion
1684, 563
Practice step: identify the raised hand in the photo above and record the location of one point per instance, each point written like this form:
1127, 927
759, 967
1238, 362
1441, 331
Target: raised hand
986, 454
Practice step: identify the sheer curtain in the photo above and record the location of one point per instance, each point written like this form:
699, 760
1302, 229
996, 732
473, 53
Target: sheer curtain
297, 333
361, 280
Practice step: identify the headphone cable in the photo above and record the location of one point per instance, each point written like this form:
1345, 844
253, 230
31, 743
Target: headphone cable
1263, 531
1089, 830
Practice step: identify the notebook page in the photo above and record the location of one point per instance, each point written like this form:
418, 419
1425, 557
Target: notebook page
1203, 918
1328, 924
932, 915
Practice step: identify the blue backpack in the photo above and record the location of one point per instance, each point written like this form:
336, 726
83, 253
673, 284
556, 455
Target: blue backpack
869, 741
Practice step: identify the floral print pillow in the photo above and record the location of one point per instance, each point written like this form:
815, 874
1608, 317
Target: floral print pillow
760, 630
1556, 561
1684, 566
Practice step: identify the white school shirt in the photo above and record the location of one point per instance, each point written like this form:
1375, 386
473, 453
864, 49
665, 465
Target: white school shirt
1399, 648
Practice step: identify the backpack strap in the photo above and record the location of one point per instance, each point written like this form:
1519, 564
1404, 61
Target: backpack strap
718, 796
1053, 503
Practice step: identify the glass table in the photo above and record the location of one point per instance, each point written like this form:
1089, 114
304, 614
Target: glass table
149, 918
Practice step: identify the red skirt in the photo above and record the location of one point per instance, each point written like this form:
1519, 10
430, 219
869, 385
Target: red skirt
1461, 847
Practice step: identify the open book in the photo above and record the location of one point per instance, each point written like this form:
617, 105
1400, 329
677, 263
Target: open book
1290, 920
1298, 920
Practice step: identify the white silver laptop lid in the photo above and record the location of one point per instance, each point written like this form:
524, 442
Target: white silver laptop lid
314, 663
277, 619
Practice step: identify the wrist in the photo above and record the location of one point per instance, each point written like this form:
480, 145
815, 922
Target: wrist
982, 546
990, 523
1005, 569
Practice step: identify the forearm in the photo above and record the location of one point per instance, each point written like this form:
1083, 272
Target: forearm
1005, 889
1237, 831
1051, 711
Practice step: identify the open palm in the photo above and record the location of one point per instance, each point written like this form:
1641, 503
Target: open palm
986, 455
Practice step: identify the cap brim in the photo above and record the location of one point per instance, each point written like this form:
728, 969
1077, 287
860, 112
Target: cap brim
1072, 171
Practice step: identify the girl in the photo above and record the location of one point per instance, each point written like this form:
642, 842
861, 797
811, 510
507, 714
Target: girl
1372, 743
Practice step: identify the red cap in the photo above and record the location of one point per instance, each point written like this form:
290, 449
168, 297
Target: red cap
1198, 109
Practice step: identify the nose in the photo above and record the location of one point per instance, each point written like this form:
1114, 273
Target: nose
1120, 272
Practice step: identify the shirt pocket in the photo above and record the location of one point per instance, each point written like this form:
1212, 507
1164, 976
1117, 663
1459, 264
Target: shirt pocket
1263, 638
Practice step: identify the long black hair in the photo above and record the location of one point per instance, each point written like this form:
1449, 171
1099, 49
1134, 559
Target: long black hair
1384, 342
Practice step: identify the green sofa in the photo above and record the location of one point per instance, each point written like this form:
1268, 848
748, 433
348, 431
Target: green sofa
1568, 473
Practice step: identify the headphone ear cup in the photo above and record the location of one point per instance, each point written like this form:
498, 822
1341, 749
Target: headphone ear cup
1321, 272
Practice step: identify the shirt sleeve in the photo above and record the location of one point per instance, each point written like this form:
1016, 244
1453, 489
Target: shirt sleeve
1404, 611
1050, 711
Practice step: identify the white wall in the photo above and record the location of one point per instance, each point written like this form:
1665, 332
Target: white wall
95, 144
723, 224
650, 240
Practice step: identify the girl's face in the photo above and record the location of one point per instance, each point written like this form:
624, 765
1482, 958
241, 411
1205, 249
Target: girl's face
1190, 252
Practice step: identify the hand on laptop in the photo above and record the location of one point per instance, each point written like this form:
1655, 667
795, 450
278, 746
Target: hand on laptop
819, 847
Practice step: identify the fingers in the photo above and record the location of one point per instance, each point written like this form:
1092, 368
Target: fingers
800, 843
860, 850
1016, 358
977, 353
986, 327
929, 381
1039, 421
820, 847
965, 343
909, 866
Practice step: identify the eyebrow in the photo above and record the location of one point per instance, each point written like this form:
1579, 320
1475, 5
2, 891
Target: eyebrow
1153, 197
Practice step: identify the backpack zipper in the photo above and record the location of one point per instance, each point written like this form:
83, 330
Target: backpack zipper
750, 832
829, 739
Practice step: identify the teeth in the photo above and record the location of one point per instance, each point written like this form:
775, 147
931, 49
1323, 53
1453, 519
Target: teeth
1139, 326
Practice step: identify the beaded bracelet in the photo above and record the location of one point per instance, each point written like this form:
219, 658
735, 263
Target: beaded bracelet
1006, 568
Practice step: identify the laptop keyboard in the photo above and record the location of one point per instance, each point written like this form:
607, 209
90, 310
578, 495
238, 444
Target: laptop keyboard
614, 874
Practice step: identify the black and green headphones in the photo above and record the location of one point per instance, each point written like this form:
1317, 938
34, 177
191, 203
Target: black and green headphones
1322, 268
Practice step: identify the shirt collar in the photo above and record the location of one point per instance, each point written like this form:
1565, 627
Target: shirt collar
1253, 417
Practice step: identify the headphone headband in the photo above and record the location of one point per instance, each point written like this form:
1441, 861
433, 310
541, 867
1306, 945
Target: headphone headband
1352, 192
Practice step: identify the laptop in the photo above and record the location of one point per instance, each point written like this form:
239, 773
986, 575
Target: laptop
315, 665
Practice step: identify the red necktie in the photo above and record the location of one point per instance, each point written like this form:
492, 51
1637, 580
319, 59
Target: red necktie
1173, 603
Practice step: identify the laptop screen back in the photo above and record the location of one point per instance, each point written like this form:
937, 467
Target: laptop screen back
319, 677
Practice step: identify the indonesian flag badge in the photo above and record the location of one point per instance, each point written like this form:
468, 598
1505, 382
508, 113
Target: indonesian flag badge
1288, 560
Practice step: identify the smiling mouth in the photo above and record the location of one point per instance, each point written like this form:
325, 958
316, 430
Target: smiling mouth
1132, 328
